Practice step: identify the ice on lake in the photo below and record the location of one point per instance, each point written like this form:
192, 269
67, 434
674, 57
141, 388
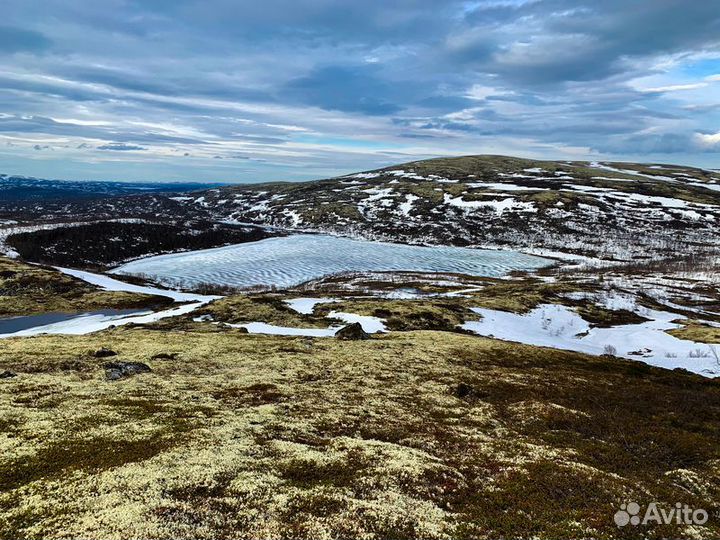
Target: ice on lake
291, 260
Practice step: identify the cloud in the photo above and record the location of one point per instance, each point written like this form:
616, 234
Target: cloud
120, 147
708, 141
674, 88
555, 41
482, 92
345, 88
311, 88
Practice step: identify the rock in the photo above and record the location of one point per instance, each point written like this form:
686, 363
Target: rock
7, 374
104, 352
464, 390
164, 356
120, 370
469, 392
352, 331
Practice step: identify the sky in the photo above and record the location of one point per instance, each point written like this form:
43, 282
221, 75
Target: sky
248, 91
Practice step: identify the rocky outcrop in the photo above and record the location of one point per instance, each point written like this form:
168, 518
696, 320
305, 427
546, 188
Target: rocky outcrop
352, 332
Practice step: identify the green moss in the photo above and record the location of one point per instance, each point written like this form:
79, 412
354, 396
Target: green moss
64, 456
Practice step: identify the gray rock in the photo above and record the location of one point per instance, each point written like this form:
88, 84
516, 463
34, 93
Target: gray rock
353, 332
120, 370
7, 374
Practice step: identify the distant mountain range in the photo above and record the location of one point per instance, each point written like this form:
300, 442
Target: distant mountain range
23, 188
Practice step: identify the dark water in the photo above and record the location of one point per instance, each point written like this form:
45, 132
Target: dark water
17, 324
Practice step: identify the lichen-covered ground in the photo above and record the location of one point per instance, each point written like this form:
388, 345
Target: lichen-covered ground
425, 432
421, 434
31, 289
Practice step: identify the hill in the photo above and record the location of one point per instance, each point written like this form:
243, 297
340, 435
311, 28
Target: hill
612, 211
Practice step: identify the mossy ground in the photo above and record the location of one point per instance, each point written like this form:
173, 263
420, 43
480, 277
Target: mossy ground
269, 308
410, 435
31, 289
697, 331
436, 314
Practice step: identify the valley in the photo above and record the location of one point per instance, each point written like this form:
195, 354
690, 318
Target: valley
452, 338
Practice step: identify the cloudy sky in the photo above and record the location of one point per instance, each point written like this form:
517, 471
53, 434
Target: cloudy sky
240, 90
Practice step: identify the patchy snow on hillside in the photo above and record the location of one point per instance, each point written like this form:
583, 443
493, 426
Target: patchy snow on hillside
557, 326
365, 176
406, 206
499, 206
499, 186
274, 330
86, 323
371, 325
631, 172
307, 305
109, 284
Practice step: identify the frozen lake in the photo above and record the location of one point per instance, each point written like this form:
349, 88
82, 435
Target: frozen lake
292, 260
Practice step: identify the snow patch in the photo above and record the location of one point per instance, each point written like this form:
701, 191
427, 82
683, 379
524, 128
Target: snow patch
499, 206
307, 305
560, 327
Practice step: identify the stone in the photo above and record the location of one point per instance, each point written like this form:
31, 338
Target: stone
164, 356
353, 332
115, 371
104, 352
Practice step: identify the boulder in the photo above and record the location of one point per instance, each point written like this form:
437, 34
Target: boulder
104, 352
164, 356
7, 374
352, 331
120, 370
464, 390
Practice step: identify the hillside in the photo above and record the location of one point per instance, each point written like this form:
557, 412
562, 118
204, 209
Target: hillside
613, 211
23, 188
530, 405
28, 290
610, 210
410, 434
